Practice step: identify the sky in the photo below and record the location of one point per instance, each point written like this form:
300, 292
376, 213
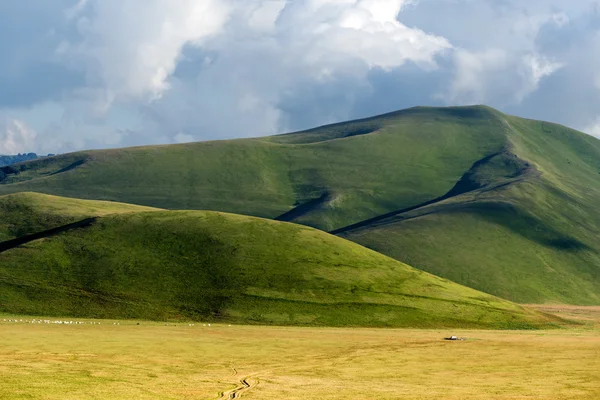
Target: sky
83, 74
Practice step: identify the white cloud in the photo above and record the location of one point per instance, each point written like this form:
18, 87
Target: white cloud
473, 71
183, 138
496, 76
336, 32
76, 9
258, 62
265, 14
508, 66
130, 72
16, 137
255, 55
594, 128
533, 69
539, 67
130, 48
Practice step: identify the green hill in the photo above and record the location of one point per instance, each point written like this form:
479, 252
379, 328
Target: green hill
338, 175
495, 202
230, 268
27, 213
527, 232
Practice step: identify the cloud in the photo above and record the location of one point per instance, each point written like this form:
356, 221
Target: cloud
287, 65
123, 58
594, 128
366, 30
183, 138
106, 73
539, 68
16, 137
568, 96
128, 49
496, 76
216, 68
511, 65
30, 72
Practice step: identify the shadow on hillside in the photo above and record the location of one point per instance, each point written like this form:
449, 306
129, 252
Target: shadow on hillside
477, 178
40, 167
523, 224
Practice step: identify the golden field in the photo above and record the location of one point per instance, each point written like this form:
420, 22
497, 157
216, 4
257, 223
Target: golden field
178, 361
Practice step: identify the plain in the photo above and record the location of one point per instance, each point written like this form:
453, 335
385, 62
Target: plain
179, 361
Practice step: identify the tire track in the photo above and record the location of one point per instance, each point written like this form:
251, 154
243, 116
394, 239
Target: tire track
245, 384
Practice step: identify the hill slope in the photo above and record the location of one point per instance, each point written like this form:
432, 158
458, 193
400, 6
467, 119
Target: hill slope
28, 213
331, 177
499, 203
531, 239
225, 267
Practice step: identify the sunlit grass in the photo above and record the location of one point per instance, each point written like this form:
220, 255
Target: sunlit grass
236, 269
154, 361
26, 213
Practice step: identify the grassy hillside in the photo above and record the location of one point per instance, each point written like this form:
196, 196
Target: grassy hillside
345, 173
533, 240
27, 213
499, 203
225, 267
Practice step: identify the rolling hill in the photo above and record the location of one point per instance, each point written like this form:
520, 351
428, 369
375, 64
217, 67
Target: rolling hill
24, 213
231, 268
495, 202
326, 178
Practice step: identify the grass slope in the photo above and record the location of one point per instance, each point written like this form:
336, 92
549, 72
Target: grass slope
27, 213
499, 203
533, 240
358, 171
225, 267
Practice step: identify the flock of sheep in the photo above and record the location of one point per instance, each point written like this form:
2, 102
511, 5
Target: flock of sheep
56, 322
60, 322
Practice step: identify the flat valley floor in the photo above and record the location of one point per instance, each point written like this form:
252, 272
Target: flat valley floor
178, 361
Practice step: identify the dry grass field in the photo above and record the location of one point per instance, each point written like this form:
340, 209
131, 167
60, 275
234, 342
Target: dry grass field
179, 361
